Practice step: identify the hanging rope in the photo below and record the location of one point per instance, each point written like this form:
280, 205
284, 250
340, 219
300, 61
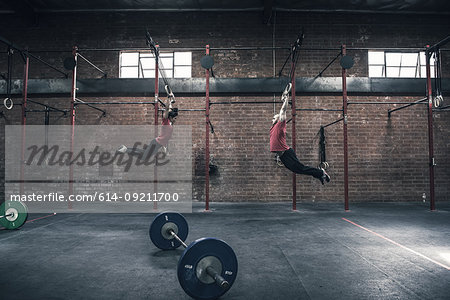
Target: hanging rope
155, 50
7, 102
294, 56
438, 99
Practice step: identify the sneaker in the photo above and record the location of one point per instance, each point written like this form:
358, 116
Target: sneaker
122, 149
325, 176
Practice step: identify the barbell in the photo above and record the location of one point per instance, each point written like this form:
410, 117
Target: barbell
207, 267
13, 214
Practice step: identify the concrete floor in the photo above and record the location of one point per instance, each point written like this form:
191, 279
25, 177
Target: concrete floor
313, 253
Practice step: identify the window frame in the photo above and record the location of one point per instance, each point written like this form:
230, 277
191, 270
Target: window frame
385, 66
147, 54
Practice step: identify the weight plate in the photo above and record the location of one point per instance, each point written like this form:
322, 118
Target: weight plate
19, 215
69, 63
199, 251
160, 225
207, 62
346, 62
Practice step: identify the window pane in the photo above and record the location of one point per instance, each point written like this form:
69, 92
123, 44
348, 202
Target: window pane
129, 72
393, 59
376, 71
409, 72
409, 59
422, 58
148, 63
168, 73
147, 55
166, 62
376, 58
423, 71
182, 72
392, 71
165, 54
129, 59
423, 61
183, 58
149, 74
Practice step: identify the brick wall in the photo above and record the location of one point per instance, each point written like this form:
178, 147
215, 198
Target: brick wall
388, 158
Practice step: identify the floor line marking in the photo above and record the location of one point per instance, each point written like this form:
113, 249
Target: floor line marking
399, 245
41, 218
295, 272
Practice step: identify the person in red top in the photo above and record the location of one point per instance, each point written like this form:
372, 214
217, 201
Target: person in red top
279, 146
169, 117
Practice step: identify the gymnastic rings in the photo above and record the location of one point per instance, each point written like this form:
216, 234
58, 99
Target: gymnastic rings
287, 89
8, 103
278, 159
170, 94
324, 165
437, 101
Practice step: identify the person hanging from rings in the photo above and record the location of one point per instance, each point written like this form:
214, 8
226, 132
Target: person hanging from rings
279, 146
168, 119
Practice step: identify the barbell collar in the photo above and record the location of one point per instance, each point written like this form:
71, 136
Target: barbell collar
172, 233
220, 281
5, 216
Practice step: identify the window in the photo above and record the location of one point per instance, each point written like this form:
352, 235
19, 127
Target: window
141, 64
399, 64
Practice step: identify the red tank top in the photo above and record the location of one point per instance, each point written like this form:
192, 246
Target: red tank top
278, 137
166, 132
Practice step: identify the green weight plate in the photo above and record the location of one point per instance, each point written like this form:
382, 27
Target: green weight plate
19, 215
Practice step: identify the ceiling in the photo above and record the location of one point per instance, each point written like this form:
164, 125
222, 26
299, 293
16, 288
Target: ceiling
372, 6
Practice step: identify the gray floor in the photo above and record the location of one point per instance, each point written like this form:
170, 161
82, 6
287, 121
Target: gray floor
312, 253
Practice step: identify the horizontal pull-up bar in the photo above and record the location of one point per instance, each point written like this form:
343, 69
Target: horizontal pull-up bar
318, 109
379, 103
79, 101
407, 105
187, 109
43, 111
181, 49
117, 103
247, 102
47, 106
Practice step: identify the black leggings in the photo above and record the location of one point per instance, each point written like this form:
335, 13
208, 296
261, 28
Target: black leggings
146, 153
291, 162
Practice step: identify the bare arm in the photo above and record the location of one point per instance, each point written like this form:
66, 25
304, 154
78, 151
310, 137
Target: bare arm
169, 101
167, 108
283, 109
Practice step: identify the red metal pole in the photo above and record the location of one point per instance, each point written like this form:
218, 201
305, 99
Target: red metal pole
344, 108
155, 170
72, 118
207, 137
294, 144
24, 120
430, 130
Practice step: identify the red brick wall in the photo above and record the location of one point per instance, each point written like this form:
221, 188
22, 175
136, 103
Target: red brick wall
388, 158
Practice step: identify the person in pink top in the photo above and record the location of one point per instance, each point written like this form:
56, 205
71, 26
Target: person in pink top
169, 117
279, 146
